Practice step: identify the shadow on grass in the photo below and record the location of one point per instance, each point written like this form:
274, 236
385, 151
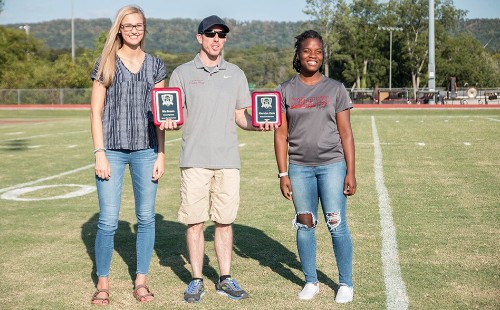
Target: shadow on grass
88, 233
124, 245
250, 242
170, 247
16, 145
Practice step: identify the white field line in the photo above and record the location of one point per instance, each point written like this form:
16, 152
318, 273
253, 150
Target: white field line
2, 190
173, 140
45, 179
395, 288
491, 119
34, 123
47, 135
178, 139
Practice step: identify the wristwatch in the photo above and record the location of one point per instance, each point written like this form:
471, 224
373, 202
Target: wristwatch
282, 174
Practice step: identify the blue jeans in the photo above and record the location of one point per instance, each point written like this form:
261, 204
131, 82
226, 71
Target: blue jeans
109, 192
325, 184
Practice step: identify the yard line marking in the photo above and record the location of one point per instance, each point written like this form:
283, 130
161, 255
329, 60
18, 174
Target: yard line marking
48, 135
16, 193
14, 133
46, 179
173, 140
395, 287
491, 119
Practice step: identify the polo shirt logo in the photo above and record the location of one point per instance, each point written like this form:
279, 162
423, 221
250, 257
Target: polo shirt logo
195, 82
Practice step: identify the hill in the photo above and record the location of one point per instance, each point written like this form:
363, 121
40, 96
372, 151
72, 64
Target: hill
177, 35
172, 35
487, 31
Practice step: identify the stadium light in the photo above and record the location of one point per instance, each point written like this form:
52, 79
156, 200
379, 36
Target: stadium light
26, 29
390, 29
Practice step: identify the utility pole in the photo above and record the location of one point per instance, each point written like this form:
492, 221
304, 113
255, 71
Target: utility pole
390, 29
432, 65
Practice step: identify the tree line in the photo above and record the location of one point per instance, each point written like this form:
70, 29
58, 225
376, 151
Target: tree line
356, 45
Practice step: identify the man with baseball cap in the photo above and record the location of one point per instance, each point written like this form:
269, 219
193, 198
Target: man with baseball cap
216, 95
214, 20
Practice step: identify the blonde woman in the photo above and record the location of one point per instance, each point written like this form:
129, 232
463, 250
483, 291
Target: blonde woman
124, 134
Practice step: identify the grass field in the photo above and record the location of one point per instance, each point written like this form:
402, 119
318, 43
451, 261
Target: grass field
436, 173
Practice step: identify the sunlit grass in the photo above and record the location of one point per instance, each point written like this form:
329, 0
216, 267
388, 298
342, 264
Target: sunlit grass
441, 170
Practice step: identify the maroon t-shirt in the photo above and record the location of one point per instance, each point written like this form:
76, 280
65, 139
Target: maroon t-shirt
313, 136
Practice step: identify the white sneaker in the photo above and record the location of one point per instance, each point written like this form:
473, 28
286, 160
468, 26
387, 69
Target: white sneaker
309, 291
344, 294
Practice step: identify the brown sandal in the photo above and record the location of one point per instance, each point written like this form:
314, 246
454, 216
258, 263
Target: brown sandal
101, 301
140, 297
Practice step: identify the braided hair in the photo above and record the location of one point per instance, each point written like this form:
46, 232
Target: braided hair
308, 34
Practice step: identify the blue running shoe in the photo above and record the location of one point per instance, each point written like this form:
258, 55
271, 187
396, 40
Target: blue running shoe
194, 291
230, 288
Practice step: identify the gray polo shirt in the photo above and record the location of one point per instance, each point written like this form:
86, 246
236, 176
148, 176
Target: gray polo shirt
210, 98
313, 136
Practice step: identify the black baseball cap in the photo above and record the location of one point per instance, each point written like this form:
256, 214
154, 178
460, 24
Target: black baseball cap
209, 22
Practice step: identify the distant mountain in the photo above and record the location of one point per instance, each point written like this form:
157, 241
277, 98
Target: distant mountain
172, 36
487, 31
178, 35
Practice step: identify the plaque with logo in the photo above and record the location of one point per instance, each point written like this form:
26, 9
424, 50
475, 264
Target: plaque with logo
167, 104
266, 106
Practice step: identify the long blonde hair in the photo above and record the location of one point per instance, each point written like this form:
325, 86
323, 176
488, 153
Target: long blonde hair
114, 41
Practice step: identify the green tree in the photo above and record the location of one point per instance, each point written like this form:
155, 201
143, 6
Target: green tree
413, 17
466, 59
325, 13
172, 61
359, 53
358, 32
26, 63
18, 53
264, 66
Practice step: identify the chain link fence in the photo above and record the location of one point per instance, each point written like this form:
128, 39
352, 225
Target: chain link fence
45, 96
470, 95
382, 95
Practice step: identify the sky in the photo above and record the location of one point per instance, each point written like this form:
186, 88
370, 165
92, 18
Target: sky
35, 11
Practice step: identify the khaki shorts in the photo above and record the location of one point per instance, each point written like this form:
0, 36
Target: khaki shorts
209, 194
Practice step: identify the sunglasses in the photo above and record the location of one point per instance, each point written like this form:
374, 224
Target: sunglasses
211, 34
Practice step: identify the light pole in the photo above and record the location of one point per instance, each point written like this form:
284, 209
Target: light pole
26, 29
432, 63
390, 29
72, 32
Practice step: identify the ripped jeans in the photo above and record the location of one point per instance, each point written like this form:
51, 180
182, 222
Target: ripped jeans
325, 184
